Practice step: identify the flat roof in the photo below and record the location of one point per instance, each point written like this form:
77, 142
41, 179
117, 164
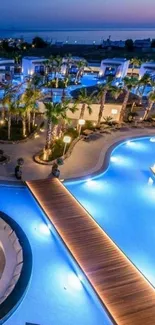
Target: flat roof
6, 59
31, 58
116, 60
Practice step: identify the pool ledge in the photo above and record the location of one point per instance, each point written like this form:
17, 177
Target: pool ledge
109, 143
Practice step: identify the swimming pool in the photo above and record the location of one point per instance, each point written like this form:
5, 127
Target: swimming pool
122, 201
55, 294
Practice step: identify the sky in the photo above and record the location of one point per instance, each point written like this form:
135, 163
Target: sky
76, 14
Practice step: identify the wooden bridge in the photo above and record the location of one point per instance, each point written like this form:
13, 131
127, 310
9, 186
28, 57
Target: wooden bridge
127, 295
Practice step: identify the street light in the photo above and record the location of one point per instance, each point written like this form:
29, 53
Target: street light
81, 122
66, 140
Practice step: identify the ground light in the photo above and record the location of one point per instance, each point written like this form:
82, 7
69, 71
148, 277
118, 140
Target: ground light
66, 141
44, 229
81, 122
74, 281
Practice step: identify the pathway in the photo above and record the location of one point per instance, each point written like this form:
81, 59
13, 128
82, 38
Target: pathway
86, 158
126, 294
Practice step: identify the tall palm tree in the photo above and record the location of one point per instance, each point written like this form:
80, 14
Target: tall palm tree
12, 111
55, 113
8, 90
102, 93
23, 113
68, 62
80, 65
135, 63
86, 101
129, 83
58, 63
151, 102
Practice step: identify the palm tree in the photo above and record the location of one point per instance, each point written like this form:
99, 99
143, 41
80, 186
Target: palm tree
68, 62
12, 111
86, 101
129, 83
135, 63
51, 61
150, 105
53, 113
8, 90
116, 92
80, 65
102, 93
23, 112
143, 82
58, 63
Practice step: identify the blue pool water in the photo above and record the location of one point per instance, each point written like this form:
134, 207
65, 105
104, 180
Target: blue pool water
122, 201
55, 294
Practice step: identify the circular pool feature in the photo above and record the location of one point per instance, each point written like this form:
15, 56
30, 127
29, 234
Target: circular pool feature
15, 265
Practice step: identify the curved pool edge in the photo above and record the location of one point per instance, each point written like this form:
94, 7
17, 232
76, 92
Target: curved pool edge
12, 302
104, 158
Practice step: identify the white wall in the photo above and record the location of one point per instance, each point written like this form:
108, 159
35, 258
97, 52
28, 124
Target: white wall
112, 110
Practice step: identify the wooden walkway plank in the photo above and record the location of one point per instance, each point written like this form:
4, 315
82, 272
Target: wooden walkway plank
123, 290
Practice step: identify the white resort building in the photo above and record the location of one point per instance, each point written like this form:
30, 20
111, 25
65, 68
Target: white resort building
6, 69
149, 68
31, 65
115, 67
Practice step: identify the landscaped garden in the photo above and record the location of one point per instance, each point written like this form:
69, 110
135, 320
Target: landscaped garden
20, 117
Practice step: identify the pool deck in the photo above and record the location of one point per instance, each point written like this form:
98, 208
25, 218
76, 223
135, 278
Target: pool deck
128, 297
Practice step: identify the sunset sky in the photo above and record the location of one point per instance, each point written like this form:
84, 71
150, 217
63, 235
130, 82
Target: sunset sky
76, 14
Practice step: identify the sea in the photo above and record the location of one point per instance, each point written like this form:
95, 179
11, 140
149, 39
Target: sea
80, 36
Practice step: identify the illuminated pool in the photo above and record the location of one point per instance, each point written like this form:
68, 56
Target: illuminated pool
122, 201
58, 292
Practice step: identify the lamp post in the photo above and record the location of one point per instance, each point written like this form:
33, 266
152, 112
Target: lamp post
66, 140
81, 122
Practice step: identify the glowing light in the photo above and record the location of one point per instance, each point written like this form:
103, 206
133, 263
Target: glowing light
114, 111
152, 139
44, 229
113, 159
81, 122
89, 180
36, 136
74, 281
128, 143
66, 139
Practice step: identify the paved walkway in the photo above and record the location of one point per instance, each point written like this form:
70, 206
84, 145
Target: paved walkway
86, 158
26, 150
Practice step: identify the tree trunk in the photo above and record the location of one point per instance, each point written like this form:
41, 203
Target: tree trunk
3, 113
132, 108
123, 109
9, 126
29, 122
82, 111
148, 109
57, 82
33, 118
24, 126
49, 134
81, 117
103, 99
77, 77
